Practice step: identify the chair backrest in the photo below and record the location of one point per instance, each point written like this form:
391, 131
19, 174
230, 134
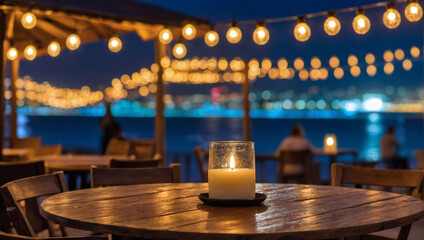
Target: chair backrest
143, 148
101, 177
13, 171
8, 236
118, 147
419, 155
202, 160
296, 165
137, 163
49, 150
29, 188
412, 179
30, 142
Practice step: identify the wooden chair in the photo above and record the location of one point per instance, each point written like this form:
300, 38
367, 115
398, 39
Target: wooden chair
202, 160
48, 150
143, 148
297, 166
419, 155
30, 142
101, 177
118, 147
412, 179
8, 236
30, 188
13, 171
138, 163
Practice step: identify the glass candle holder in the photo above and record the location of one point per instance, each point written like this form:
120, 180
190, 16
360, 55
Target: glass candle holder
231, 172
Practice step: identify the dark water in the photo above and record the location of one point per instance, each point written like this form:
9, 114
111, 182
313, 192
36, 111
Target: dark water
183, 134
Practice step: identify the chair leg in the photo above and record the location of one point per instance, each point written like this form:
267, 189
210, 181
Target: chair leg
404, 232
63, 231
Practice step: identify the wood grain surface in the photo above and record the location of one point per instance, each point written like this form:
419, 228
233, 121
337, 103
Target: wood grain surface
173, 211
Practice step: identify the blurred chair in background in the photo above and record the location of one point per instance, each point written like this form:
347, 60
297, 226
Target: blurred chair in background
117, 147
298, 167
202, 160
419, 155
143, 148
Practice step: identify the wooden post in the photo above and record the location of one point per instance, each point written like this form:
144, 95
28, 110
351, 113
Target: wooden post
247, 126
160, 52
14, 75
3, 42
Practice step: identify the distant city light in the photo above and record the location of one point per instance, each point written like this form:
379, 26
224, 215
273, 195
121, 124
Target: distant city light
373, 104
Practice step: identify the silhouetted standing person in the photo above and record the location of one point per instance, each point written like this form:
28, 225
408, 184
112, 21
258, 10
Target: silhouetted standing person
389, 146
110, 128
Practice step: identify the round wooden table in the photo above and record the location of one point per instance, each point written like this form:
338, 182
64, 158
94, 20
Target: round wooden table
173, 211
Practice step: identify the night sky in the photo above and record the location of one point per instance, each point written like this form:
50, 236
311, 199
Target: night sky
94, 65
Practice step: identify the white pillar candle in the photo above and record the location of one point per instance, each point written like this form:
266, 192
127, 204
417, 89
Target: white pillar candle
232, 183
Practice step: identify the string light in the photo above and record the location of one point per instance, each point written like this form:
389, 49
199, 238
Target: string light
332, 24
234, 33
28, 20
361, 24
413, 11
261, 33
399, 54
369, 58
12, 53
415, 52
73, 41
371, 70
391, 17
211, 38
165, 36
302, 32
334, 62
179, 50
53, 49
389, 68
30, 52
189, 32
388, 56
114, 44
407, 64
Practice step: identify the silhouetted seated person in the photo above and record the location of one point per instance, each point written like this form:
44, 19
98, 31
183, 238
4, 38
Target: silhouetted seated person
110, 128
295, 142
389, 146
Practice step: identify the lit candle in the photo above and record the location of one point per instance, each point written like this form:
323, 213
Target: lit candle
330, 144
231, 183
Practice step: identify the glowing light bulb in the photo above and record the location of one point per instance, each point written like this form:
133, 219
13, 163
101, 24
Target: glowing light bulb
232, 163
115, 44
302, 32
165, 36
261, 35
179, 50
211, 38
361, 24
332, 25
28, 20
30, 52
12, 53
391, 17
413, 11
53, 49
73, 42
189, 32
234, 34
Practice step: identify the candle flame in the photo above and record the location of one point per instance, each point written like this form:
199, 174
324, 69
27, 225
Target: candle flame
232, 162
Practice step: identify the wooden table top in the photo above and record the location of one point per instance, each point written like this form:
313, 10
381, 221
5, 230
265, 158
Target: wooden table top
173, 211
71, 162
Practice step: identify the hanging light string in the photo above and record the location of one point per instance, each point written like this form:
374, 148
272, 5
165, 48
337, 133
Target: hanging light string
311, 15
